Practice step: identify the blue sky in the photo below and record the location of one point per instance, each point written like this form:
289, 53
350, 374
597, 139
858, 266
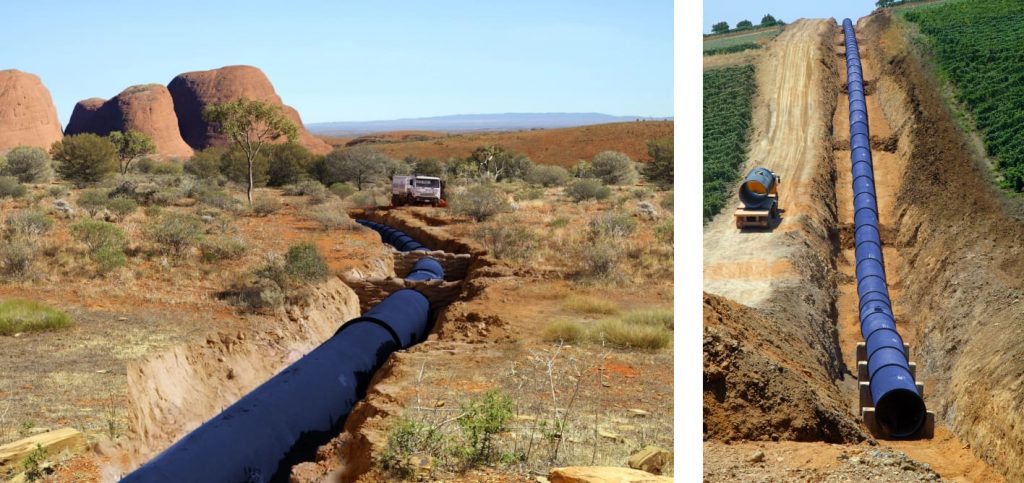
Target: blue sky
733, 11
354, 61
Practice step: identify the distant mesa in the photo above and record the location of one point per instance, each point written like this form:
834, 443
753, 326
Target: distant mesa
27, 115
192, 91
145, 108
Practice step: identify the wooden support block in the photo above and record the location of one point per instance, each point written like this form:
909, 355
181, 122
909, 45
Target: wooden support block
862, 352
913, 369
920, 388
906, 350
862, 371
928, 428
865, 395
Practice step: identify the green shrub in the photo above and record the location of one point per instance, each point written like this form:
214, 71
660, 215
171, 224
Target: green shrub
329, 216
164, 197
342, 190
567, 331
16, 256
408, 438
222, 248
215, 197
10, 187
590, 305
637, 336
99, 235
508, 240
18, 315
205, 164
530, 194
612, 224
483, 418
58, 191
235, 167
582, 169
93, 200
121, 206
600, 256
479, 202
32, 465
84, 158
547, 175
587, 189
167, 168
29, 164
28, 222
317, 192
661, 169
264, 204
175, 232
613, 167
365, 199
304, 262
288, 163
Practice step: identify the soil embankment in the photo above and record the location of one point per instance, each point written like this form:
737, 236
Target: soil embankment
960, 279
785, 276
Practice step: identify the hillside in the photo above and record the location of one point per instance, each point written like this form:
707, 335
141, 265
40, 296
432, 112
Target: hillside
562, 146
510, 121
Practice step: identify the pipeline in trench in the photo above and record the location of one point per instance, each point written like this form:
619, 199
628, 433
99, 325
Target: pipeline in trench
283, 421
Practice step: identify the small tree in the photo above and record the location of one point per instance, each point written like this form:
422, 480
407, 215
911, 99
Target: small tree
131, 145
360, 165
29, 164
205, 164
768, 20
744, 24
613, 167
426, 166
497, 163
84, 158
250, 125
660, 170
720, 28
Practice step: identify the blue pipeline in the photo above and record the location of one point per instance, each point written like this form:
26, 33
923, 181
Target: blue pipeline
899, 406
393, 237
281, 422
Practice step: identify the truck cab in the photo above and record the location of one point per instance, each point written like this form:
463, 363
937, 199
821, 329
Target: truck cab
406, 190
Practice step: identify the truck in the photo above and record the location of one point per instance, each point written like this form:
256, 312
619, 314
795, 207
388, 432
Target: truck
759, 198
415, 189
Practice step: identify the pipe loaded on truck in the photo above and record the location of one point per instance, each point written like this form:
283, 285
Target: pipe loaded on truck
759, 195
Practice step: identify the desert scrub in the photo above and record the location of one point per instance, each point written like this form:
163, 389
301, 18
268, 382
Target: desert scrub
16, 256
312, 188
614, 224
264, 204
329, 216
547, 175
29, 164
407, 438
653, 317
121, 206
364, 199
587, 189
558, 222
175, 233
28, 222
18, 315
222, 248
105, 242
483, 418
11, 188
665, 231
590, 305
342, 190
479, 202
304, 262
508, 240
93, 200
529, 194
613, 167
565, 331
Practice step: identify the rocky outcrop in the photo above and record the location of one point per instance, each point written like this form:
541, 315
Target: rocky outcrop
27, 115
146, 108
192, 91
602, 474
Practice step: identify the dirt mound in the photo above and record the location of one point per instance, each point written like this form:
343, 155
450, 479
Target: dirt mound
963, 276
757, 388
27, 115
192, 91
146, 108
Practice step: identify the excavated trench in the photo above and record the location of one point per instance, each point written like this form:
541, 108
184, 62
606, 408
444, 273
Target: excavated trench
953, 260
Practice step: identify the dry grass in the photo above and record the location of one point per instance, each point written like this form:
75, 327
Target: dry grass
619, 333
567, 331
590, 305
28, 316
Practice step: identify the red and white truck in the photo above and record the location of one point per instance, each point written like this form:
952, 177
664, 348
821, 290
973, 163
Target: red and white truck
411, 190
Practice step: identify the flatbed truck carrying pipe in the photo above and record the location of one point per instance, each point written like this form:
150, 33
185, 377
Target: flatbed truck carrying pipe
899, 407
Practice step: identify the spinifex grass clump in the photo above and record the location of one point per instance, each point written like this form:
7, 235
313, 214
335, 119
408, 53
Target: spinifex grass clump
18, 315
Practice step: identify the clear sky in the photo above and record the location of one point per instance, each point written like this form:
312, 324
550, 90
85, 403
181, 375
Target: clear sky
733, 11
358, 60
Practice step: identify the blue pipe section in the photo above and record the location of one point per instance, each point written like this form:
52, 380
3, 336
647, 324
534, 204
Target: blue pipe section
283, 421
393, 237
899, 406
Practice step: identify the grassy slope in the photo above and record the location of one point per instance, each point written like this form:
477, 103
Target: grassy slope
563, 146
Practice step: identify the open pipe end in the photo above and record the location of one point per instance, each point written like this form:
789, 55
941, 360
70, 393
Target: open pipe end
901, 412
